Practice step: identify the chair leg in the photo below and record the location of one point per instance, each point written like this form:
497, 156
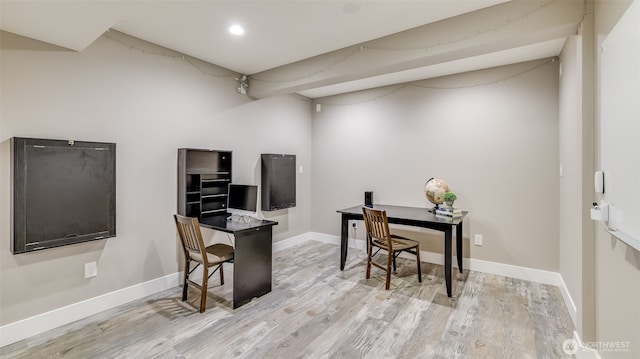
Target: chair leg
185, 289
221, 274
205, 284
369, 252
418, 260
390, 260
394, 262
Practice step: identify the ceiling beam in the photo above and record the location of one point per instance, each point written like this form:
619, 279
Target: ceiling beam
501, 27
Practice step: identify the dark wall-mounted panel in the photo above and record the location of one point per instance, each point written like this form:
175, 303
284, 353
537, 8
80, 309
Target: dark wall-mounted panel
64, 192
278, 181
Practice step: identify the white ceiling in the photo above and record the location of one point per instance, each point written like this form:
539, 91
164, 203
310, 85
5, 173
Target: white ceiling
277, 32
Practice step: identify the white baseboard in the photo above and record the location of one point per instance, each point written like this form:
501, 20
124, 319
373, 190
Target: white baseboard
568, 302
529, 274
40, 323
328, 238
507, 270
292, 241
28, 327
16, 331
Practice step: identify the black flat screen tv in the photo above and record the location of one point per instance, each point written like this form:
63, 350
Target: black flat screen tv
64, 192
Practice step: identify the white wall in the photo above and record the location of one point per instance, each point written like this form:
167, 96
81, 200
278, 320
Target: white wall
492, 135
150, 101
570, 199
498, 143
617, 265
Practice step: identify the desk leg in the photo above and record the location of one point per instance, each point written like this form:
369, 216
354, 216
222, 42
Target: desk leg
344, 237
448, 259
459, 245
252, 265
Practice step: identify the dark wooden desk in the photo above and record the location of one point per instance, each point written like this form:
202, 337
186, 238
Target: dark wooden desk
252, 261
411, 216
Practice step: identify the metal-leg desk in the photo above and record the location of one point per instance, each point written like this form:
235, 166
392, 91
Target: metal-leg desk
411, 216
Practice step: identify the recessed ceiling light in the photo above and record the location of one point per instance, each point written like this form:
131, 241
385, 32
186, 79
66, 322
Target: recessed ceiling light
236, 30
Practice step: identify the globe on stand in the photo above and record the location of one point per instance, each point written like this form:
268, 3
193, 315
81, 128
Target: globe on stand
434, 189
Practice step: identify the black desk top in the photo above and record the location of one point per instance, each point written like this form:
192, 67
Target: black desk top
410, 214
221, 223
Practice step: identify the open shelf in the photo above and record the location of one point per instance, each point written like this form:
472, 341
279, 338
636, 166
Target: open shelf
203, 182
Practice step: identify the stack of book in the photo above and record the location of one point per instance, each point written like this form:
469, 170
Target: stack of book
449, 212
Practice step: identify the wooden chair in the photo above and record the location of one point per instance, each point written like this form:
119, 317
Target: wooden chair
195, 251
379, 236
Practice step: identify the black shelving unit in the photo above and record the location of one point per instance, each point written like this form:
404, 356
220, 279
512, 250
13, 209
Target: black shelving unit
203, 182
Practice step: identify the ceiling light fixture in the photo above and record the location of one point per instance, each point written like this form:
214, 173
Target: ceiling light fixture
236, 30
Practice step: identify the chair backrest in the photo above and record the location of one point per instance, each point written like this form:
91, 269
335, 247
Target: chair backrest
191, 237
377, 225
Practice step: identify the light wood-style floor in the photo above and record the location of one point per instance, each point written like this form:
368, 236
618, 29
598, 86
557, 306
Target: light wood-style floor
317, 311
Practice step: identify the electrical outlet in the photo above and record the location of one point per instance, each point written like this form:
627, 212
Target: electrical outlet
90, 269
478, 240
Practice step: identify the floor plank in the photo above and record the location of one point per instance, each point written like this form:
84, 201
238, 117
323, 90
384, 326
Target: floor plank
317, 311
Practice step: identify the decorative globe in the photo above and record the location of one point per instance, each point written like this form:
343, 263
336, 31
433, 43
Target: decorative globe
435, 189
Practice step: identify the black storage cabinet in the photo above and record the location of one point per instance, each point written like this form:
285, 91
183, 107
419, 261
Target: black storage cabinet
278, 181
